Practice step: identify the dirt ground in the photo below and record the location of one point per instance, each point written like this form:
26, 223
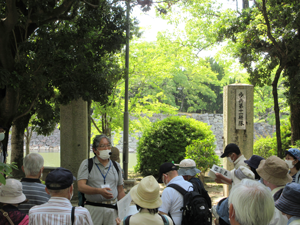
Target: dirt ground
215, 190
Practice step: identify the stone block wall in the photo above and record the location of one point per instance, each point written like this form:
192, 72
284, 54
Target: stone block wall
51, 143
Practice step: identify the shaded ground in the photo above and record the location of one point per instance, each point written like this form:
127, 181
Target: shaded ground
214, 190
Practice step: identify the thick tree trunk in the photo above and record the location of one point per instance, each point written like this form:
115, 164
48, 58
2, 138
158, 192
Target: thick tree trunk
17, 144
295, 121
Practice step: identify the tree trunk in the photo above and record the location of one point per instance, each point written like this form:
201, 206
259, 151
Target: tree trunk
17, 144
245, 4
276, 109
295, 121
89, 103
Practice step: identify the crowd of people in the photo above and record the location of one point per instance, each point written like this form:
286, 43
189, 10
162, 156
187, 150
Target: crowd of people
263, 192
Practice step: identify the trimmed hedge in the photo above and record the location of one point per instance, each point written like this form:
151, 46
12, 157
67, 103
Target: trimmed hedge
166, 141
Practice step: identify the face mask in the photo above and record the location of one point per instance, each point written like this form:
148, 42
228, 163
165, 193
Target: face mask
2, 136
290, 163
229, 159
104, 154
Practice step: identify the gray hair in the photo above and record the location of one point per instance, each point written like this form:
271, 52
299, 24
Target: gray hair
97, 140
252, 202
33, 163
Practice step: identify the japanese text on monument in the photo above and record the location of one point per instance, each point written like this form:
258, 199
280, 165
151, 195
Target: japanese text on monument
241, 109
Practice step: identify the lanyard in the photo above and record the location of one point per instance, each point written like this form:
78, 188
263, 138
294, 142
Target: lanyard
106, 172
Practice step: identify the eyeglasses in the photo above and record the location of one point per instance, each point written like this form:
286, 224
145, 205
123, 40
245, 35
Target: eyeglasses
104, 146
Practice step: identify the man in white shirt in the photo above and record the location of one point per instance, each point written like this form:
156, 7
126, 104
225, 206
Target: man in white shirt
58, 210
172, 200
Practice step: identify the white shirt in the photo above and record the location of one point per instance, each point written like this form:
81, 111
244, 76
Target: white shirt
57, 211
172, 200
240, 162
278, 218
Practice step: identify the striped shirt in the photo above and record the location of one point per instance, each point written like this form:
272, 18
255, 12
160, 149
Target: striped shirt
57, 211
35, 193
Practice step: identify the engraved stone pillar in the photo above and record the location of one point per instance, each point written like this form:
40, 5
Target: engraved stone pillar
238, 121
73, 136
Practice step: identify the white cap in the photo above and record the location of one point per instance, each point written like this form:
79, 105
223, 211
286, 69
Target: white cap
187, 167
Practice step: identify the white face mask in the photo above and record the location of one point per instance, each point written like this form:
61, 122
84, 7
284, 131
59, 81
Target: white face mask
290, 163
2, 136
104, 154
229, 159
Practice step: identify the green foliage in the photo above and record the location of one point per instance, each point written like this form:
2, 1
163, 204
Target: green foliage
6, 169
166, 141
203, 153
265, 147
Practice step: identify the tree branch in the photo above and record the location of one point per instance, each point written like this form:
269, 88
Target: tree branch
90, 4
264, 12
29, 109
57, 12
95, 125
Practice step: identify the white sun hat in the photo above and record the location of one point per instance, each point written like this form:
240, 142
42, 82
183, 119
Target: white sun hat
187, 167
146, 193
12, 192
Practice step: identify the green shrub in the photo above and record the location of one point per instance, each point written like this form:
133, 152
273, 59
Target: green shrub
166, 140
265, 147
203, 153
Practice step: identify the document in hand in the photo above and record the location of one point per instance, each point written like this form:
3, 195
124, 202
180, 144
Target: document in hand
216, 169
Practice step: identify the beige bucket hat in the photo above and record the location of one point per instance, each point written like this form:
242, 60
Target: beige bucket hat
12, 192
274, 170
146, 193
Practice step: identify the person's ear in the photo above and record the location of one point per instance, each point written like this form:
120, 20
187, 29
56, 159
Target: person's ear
296, 161
46, 189
23, 169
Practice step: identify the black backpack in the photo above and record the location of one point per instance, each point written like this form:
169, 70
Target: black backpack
81, 198
195, 209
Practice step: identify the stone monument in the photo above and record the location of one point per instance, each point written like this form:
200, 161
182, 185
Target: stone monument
238, 121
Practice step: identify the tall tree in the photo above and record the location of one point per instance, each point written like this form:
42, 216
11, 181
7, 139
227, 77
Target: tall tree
58, 50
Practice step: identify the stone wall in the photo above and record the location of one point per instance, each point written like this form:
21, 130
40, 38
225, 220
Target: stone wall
51, 143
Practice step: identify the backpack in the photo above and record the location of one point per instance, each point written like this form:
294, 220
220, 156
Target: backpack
81, 198
164, 218
195, 209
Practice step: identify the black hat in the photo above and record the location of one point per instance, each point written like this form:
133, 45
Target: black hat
164, 168
231, 148
254, 161
59, 179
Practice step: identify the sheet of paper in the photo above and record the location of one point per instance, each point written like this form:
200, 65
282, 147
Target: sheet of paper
124, 206
218, 169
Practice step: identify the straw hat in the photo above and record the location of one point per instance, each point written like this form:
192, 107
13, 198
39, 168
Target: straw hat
11, 192
242, 172
187, 167
274, 170
289, 200
146, 193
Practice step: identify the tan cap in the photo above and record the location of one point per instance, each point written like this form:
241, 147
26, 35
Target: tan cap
274, 170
